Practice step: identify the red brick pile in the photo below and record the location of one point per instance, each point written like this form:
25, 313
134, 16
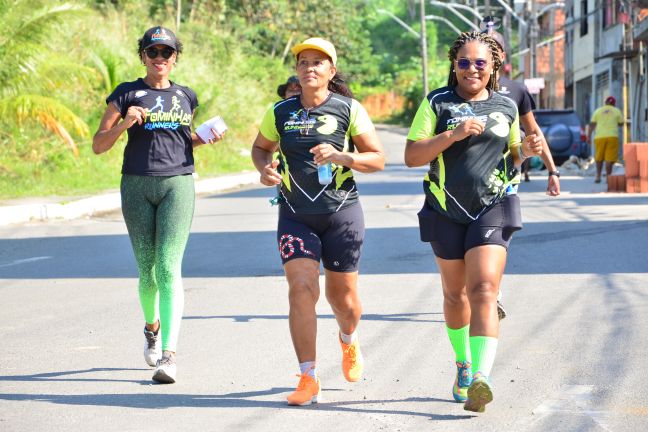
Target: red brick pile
635, 180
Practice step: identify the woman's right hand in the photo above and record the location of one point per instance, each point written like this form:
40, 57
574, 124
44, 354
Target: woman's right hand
471, 127
135, 114
269, 175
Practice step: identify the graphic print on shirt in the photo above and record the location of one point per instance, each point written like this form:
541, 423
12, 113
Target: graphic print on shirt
171, 119
473, 173
298, 130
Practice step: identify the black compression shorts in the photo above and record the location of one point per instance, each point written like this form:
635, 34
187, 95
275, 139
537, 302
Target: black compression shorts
451, 240
335, 238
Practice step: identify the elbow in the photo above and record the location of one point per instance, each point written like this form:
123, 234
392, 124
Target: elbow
97, 148
410, 161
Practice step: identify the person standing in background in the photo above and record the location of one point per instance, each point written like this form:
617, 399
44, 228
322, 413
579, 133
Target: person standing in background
604, 125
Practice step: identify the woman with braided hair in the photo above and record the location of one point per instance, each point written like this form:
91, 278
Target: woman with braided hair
469, 135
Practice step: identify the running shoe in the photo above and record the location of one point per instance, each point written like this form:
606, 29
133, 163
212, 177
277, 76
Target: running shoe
462, 381
479, 393
352, 361
166, 369
308, 391
501, 312
152, 350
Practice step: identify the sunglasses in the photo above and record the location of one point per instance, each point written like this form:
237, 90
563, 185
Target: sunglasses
464, 64
152, 52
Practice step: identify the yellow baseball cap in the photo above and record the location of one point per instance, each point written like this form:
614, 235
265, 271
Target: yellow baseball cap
318, 44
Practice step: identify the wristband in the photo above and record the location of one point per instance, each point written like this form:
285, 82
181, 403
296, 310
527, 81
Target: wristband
523, 157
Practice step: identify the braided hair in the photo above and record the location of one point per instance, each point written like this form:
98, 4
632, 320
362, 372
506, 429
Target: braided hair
483, 38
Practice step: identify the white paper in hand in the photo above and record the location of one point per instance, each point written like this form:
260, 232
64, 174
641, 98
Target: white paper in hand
204, 130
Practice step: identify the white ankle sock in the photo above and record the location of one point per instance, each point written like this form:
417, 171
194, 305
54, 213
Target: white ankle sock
349, 339
308, 368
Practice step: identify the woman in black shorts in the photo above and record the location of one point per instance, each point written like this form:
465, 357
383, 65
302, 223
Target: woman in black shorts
320, 218
469, 135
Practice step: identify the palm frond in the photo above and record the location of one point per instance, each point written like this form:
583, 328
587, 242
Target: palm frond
24, 23
46, 112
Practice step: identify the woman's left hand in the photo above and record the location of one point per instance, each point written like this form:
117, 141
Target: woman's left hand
324, 153
215, 137
532, 145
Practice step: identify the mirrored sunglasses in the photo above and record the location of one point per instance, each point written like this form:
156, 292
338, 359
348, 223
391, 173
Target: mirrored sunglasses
464, 63
153, 52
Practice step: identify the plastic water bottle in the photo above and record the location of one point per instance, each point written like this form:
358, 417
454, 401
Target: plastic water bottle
325, 173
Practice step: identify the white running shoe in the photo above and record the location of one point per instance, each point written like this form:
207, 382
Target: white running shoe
166, 369
152, 349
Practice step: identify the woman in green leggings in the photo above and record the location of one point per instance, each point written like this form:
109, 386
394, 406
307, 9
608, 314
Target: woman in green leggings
157, 187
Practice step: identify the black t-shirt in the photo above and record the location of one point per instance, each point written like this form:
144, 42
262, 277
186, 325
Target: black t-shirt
335, 121
471, 174
518, 92
161, 145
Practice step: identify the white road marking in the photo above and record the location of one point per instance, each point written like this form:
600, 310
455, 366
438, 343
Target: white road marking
573, 399
26, 261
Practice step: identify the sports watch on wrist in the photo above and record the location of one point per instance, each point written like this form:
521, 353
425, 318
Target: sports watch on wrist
554, 173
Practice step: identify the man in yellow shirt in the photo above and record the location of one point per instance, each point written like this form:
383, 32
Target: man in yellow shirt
606, 120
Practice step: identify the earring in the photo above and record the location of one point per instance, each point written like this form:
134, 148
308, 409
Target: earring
453, 70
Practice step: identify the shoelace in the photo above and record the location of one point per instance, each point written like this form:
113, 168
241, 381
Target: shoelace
165, 361
151, 338
463, 372
302, 378
351, 352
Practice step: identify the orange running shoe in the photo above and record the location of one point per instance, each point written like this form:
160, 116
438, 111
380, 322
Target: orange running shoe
308, 391
352, 361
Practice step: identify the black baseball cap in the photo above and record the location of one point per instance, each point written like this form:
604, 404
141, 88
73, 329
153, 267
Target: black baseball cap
159, 36
281, 90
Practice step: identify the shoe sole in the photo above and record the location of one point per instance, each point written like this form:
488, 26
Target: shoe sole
314, 399
162, 377
154, 361
501, 313
479, 394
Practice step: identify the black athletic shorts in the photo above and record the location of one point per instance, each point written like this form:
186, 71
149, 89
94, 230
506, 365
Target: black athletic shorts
451, 240
335, 238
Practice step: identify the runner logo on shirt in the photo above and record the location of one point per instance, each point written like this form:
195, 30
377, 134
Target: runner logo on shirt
299, 120
461, 113
172, 119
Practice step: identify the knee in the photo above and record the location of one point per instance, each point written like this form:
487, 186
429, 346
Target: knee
303, 291
343, 300
455, 298
483, 292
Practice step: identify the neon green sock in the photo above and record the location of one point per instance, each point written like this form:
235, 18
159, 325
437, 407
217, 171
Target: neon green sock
483, 349
459, 338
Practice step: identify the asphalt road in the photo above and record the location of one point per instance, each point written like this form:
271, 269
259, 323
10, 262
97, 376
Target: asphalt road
572, 353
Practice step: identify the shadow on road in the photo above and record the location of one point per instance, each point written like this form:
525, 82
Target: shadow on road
401, 317
254, 254
233, 400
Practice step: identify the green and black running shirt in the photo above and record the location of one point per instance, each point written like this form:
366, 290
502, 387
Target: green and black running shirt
474, 173
335, 121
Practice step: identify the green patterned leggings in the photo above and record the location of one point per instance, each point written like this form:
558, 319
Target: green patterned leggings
158, 212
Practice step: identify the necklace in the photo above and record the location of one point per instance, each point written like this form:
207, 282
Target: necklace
301, 100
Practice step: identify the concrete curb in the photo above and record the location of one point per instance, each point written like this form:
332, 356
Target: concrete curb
108, 202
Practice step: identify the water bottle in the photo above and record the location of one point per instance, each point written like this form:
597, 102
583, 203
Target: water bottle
325, 173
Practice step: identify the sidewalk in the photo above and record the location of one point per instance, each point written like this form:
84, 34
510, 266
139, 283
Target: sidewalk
41, 209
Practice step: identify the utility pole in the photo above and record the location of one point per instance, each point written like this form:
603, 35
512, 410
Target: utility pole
424, 56
533, 40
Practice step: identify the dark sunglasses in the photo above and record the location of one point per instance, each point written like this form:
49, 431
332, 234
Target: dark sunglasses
464, 63
152, 53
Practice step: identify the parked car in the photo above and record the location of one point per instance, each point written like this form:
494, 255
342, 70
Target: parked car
564, 133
